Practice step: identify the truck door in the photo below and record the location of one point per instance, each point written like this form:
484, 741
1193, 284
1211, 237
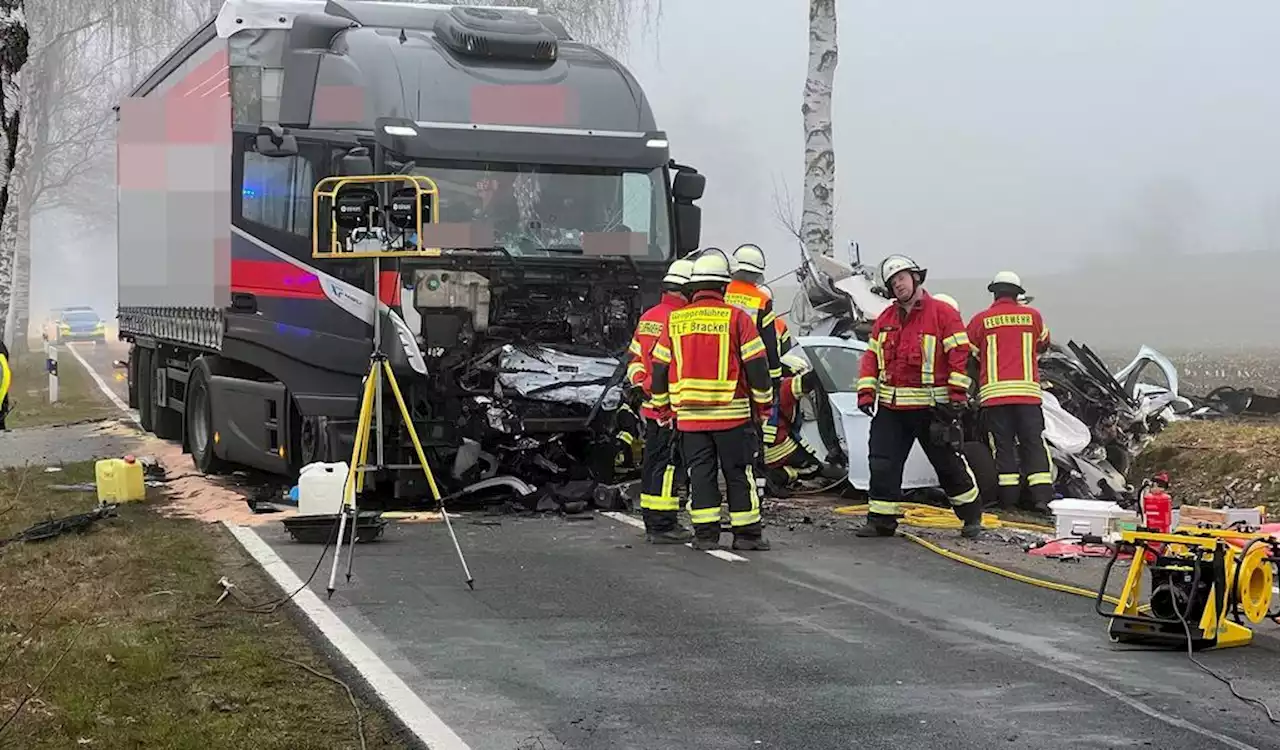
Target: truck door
283, 300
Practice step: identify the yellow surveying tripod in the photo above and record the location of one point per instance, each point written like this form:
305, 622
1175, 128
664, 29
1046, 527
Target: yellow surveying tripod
366, 223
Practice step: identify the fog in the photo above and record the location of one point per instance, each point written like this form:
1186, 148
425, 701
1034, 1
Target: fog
976, 136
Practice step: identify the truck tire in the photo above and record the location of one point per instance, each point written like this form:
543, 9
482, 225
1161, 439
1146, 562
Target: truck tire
983, 466
146, 389
199, 422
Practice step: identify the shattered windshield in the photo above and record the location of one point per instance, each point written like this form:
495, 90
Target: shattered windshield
539, 211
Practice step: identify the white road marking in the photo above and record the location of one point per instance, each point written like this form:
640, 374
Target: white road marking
636, 522
395, 694
102, 386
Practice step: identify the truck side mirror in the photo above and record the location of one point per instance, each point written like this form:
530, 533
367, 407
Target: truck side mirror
688, 228
356, 162
688, 185
273, 141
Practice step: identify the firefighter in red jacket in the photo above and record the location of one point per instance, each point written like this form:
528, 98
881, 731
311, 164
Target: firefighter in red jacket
661, 464
914, 369
710, 367
1007, 339
789, 456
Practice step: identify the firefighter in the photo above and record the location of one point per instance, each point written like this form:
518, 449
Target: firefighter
785, 341
914, 369
1007, 339
710, 369
747, 292
789, 456
660, 463
6, 377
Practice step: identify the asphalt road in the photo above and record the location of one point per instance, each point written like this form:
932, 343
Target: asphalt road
579, 635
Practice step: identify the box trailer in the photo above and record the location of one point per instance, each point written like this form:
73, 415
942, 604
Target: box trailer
557, 196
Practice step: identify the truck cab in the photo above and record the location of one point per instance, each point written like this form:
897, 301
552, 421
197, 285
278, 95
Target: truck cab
559, 208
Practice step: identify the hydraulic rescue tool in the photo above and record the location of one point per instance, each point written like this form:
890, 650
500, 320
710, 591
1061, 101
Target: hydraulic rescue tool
1203, 585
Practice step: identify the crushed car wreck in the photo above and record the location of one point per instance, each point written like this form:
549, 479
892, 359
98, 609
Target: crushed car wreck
1096, 422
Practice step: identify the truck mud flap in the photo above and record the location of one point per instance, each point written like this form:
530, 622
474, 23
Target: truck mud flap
251, 420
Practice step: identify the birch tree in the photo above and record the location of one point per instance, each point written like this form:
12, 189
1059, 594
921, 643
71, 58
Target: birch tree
14, 40
817, 216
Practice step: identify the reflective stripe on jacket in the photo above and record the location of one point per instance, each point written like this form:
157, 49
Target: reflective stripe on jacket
1006, 339
758, 304
653, 322
787, 440
915, 358
710, 367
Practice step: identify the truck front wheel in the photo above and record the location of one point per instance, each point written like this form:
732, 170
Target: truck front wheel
199, 422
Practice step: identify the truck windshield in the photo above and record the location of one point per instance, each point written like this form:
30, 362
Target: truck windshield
535, 210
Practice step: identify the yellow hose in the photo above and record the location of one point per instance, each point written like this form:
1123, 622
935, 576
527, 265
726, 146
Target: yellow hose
932, 517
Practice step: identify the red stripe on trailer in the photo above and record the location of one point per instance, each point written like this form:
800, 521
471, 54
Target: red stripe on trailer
271, 278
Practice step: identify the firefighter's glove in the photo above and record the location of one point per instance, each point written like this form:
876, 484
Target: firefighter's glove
666, 418
867, 403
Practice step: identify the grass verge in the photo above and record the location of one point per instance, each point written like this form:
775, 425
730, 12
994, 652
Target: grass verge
78, 396
1213, 461
112, 638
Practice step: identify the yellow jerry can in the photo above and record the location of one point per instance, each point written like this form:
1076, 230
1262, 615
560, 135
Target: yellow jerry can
120, 480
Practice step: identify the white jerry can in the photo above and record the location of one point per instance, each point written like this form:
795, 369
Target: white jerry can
320, 488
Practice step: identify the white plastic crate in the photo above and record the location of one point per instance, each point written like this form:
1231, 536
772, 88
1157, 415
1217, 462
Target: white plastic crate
1074, 518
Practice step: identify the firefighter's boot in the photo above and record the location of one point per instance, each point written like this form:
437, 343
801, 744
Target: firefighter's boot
971, 515
877, 525
676, 535
751, 543
706, 536
750, 537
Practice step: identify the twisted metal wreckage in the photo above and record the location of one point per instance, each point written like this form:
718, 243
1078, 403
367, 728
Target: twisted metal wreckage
1096, 422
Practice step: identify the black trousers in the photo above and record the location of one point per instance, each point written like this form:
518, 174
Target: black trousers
893, 431
733, 452
659, 469
1017, 437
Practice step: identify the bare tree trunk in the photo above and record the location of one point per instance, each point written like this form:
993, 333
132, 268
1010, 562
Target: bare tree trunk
817, 218
21, 305
14, 42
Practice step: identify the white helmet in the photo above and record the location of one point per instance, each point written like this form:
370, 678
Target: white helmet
711, 265
748, 257
795, 363
895, 264
947, 298
678, 272
1008, 279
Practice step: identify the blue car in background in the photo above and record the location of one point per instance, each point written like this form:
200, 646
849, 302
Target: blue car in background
75, 324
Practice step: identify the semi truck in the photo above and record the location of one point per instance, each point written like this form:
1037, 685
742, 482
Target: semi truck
558, 209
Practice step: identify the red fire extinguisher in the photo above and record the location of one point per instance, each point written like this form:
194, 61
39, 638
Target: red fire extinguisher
1157, 510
